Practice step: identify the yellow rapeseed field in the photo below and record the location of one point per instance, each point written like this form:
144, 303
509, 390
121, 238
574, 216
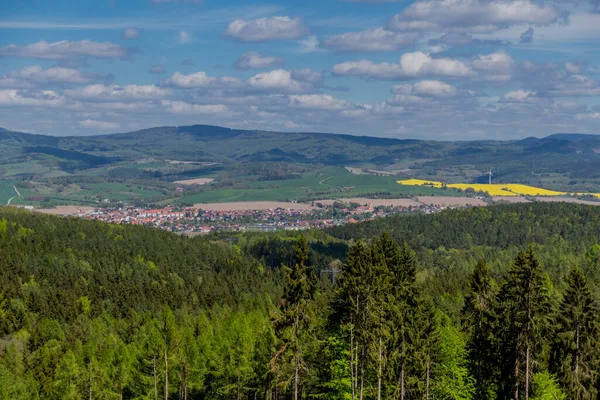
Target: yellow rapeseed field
495, 189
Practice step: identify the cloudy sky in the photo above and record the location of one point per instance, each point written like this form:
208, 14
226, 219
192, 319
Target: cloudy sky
435, 69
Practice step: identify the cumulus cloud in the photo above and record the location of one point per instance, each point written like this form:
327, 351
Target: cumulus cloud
317, 101
475, 16
461, 39
91, 123
411, 65
101, 92
371, 40
309, 45
65, 50
496, 67
527, 36
263, 29
254, 60
276, 80
37, 75
182, 107
519, 96
157, 69
130, 34
575, 85
44, 98
200, 80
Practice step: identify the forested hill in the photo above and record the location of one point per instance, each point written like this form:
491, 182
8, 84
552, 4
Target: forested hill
89, 310
498, 227
560, 153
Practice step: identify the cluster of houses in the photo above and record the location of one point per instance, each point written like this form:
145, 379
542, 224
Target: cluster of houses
196, 220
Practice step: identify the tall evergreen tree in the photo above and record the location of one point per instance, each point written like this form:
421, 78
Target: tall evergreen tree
296, 314
575, 356
522, 325
477, 325
356, 299
404, 304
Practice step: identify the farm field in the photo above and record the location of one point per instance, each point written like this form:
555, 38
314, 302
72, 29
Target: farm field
325, 183
495, 189
6, 192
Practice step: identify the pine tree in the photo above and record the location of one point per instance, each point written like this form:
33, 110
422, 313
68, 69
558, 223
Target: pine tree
522, 325
296, 314
477, 324
575, 354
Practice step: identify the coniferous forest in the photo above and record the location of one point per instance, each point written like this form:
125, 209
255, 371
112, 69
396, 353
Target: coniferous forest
487, 303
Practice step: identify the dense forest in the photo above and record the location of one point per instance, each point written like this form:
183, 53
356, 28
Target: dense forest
487, 303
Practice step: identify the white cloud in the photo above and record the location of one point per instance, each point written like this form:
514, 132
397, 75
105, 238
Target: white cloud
276, 80
65, 50
434, 89
91, 123
411, 65
182, 107
518, 96
44, 98
575, 85
263, 29
317, 101
130, 34
54, 74
309, 45
35, 75
184, 37
496, 67
254, 60
372, 40
475, 16
200, 80
100, 92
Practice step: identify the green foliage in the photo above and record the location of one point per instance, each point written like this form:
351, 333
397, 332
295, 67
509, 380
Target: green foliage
453, 380
155, 315
545, 387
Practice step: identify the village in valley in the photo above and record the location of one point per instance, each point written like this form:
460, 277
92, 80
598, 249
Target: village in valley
197, 220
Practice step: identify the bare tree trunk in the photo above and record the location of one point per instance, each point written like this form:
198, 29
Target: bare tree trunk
166, 375
516, 395
380, 369
527, 372
427, 380
402, 385
352, 360
155, 380
362, 373
297, 362
577, 357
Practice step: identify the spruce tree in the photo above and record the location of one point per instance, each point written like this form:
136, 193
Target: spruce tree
404, 304
575, 354
296, 314
356, 299
477, 324
522, 325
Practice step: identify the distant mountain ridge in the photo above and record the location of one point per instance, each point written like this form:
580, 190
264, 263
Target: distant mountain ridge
576, 154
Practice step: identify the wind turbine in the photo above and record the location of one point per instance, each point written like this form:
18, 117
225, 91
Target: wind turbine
490, 176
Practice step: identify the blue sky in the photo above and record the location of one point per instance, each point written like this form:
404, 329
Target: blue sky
435, 69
